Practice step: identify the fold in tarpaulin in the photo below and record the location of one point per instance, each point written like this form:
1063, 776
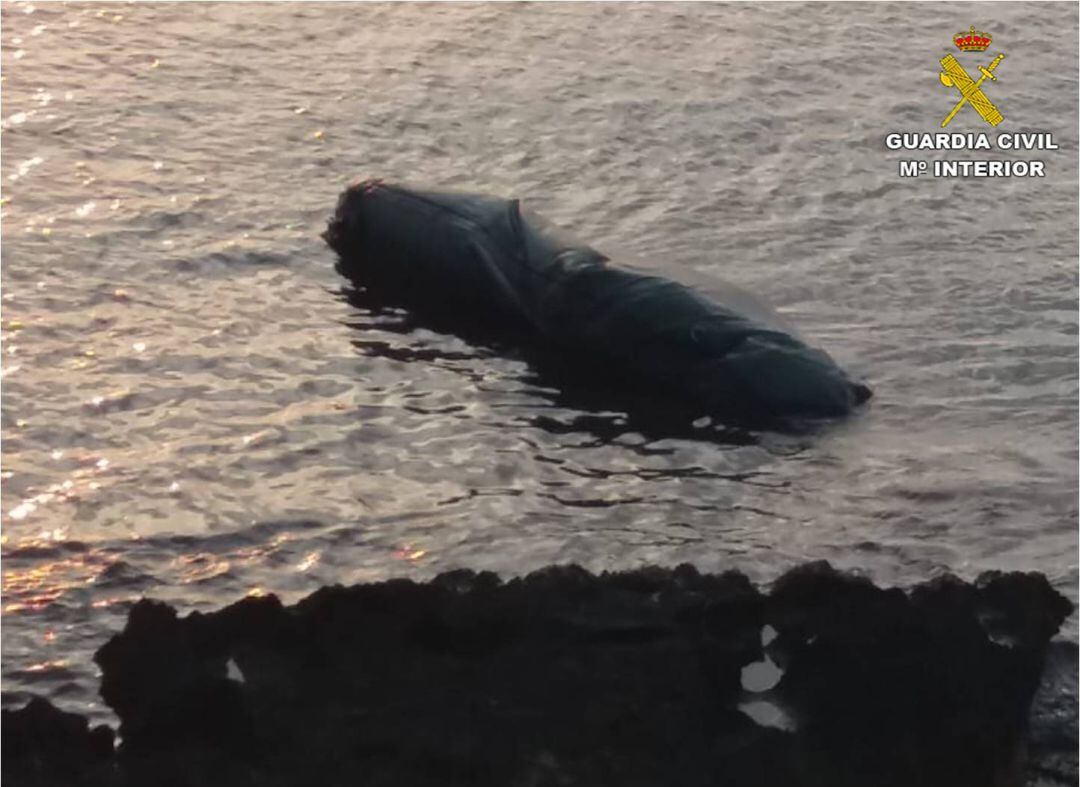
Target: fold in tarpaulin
481, 256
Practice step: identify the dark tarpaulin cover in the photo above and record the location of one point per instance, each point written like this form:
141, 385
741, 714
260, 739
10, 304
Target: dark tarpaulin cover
484, 256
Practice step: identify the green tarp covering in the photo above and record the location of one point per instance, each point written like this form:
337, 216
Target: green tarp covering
480, 256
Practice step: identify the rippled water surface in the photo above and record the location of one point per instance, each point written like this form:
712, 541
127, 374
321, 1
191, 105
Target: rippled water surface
192, 409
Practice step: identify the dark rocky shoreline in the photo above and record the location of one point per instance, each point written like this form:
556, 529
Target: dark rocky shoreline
652, 677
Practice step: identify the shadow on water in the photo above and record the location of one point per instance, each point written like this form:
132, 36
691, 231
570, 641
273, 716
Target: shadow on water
610, 405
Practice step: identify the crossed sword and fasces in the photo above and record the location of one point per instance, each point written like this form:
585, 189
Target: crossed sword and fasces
954, 75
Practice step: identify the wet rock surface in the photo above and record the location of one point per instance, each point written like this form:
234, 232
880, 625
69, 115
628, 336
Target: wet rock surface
651, 677
1052, 733
44, 745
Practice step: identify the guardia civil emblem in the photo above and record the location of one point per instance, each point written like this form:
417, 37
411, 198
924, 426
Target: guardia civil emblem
971, 94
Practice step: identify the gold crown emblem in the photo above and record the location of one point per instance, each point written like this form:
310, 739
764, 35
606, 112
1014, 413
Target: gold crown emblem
973, 41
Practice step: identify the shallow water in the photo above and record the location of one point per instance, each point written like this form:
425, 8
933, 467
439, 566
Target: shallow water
193, 410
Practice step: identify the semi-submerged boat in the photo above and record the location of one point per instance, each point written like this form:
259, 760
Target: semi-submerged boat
474, 258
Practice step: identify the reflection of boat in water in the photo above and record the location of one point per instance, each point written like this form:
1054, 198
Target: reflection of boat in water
474, 259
